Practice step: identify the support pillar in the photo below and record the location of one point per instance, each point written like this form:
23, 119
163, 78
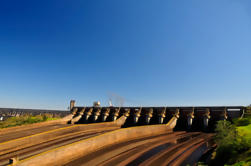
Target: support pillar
223, 115
161, 115
206, 117
149, 115
88, 114
190, 117
96, 114
126, 113
115, 114
105, 114
136, 116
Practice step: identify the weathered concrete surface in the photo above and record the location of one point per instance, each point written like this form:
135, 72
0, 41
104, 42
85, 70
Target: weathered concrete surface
176, 153
20, 143
28, 132
64, 120
52, 144
127, 151
192, 155
67, 153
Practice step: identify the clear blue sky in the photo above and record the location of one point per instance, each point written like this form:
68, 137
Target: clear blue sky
150, 52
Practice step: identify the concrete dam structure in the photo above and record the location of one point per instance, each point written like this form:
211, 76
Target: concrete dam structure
191, 118
116, 136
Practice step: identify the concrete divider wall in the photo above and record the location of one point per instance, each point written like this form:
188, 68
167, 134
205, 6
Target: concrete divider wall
62, 155
24, 142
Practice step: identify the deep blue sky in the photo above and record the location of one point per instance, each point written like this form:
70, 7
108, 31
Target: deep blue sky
150, 52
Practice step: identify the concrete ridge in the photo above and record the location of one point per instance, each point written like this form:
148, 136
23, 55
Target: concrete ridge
40, 137
65, 153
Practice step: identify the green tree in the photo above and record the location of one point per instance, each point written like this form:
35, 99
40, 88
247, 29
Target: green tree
226, 133
229, 144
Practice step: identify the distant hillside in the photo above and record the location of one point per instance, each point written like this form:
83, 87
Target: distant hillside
10, 112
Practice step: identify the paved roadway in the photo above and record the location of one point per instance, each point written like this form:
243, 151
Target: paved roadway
165, 149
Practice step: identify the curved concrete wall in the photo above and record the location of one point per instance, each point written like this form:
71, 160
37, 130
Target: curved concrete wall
23, 142
70, 152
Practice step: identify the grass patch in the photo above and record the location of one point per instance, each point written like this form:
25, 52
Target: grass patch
242, 121
26, 119
245, 132
241, 163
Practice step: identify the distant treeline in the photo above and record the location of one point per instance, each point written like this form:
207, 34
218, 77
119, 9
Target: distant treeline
5, 113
